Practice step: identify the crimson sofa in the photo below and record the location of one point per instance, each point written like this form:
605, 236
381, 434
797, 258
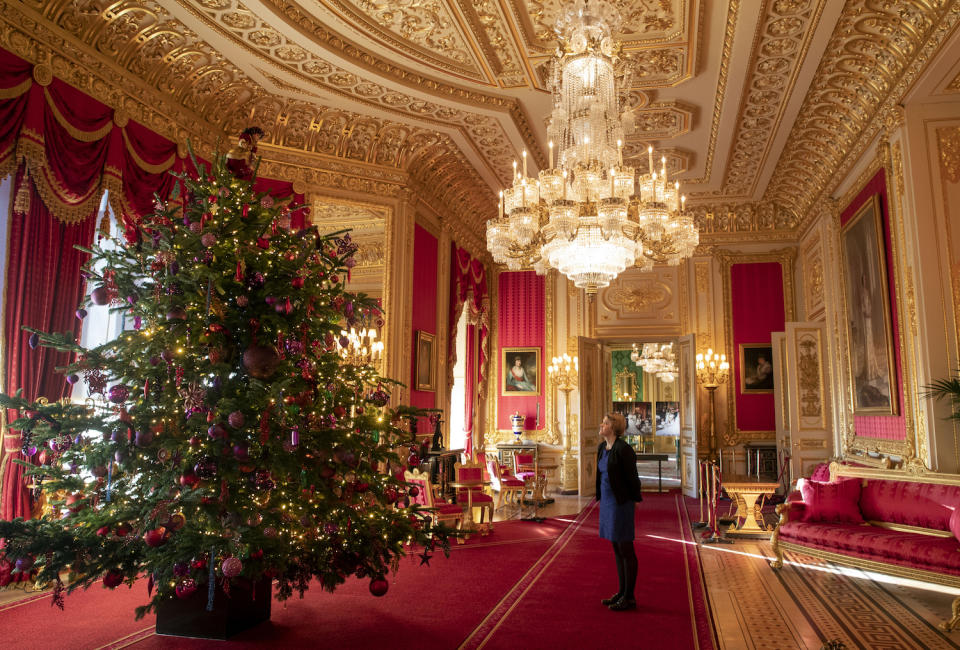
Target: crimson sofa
908, 528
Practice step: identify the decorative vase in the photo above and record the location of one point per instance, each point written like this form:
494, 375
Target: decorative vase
247, 605
516, 423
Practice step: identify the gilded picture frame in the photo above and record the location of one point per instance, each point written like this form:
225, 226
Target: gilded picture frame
873, 380
425, 366
519, 371
756, 368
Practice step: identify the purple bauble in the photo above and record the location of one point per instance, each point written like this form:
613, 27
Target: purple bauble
133, 298
81, 313
181, 569
118, 393
23, 564
155, 360
72, 379
33, 341
100, 296
208, 239
143, 438
236, 419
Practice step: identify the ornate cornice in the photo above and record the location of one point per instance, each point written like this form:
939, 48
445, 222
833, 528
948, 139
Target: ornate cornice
309, 25
273, 49
876, 52
175, 83
779, 50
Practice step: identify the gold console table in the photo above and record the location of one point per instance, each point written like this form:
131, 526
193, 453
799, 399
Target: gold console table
746, 490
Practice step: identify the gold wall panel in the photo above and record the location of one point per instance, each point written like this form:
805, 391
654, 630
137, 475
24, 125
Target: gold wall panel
636, 303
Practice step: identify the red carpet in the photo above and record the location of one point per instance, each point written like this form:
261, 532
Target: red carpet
527, 584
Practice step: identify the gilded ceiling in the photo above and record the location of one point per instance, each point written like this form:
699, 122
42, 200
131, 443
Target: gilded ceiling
757, 104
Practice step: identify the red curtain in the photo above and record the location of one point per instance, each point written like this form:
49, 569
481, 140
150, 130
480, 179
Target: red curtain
468, 289
43, 290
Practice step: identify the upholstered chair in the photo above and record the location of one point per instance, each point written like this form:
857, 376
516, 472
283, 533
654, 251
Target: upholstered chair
507, 485
450, 514
473, 495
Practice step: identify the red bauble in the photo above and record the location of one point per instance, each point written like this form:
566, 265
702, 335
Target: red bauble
297, 282
112, 579
261, 361
72, 499
156, 537
100, 296
103, 531
189, 479
413, 460
186, 587
177, 313
414, 491
123, 530
379, 586
231, 567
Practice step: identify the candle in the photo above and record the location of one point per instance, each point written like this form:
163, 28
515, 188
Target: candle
663, 168
676, 194
538, 416
550, 144
524, 163
501, 204
564, 184
620, 152
683, 200
611, 182
650, 158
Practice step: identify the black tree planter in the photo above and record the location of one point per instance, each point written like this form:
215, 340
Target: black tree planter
247, 606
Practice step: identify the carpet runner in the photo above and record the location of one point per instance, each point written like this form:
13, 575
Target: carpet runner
527, 584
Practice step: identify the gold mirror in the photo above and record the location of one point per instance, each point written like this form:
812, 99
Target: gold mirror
626, 384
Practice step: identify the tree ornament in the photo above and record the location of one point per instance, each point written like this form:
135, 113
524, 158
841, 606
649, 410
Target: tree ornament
236, 419
261, 361
156, 537
185, 588
112, 578
33, 341
81, 313
100, 296
206, 467
231, 567
379, 586
176, 314
143, 438
118, 393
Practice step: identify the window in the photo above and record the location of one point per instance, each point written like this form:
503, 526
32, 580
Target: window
458, 393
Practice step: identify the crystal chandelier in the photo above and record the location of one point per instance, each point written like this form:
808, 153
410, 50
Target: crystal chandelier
656, 359
590, 216
361, 348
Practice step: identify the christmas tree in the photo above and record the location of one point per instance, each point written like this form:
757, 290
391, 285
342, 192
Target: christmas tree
229, 440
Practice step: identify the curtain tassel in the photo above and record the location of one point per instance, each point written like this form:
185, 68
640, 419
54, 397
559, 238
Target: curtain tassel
21, 202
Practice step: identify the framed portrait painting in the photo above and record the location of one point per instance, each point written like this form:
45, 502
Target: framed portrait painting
756, 368
521, 371
867, 303
425, 362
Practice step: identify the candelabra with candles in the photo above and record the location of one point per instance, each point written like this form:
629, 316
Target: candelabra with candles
362, 347
712, 371
563, 373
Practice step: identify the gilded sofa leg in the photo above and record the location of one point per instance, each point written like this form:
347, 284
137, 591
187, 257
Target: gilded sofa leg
775, 542
775, 538
949, 626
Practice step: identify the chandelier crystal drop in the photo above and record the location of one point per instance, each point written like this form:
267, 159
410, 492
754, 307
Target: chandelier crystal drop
588, 215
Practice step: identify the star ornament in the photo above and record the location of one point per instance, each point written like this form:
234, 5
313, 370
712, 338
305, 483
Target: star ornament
425, 557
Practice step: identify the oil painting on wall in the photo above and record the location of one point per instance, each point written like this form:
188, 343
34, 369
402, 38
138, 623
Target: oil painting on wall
867, 303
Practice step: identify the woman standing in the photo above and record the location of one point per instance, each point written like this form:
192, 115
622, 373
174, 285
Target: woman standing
618, 486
